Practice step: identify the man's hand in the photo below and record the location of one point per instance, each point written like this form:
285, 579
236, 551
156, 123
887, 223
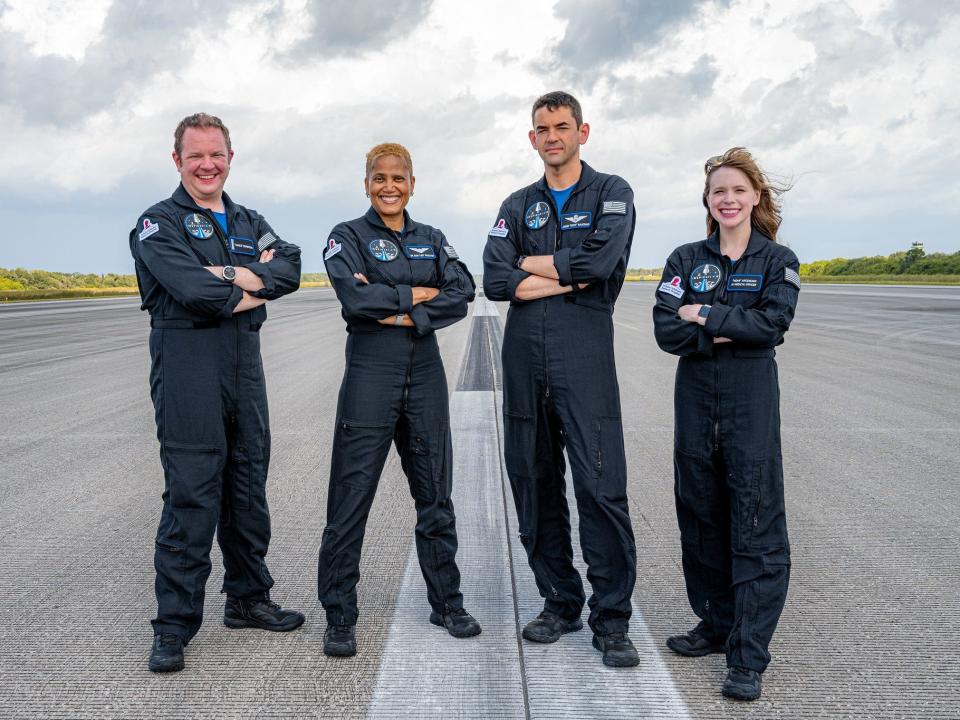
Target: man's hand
245, 279
541, 265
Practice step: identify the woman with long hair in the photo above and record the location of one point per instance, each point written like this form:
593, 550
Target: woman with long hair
723, 305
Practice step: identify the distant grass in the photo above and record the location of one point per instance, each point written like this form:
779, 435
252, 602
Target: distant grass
904, 279
65, 293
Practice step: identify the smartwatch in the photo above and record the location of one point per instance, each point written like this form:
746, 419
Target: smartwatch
398, 321
704, 311
229, 273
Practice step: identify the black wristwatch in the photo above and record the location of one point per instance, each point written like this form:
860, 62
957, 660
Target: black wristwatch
704, 311
520, 261
229, 273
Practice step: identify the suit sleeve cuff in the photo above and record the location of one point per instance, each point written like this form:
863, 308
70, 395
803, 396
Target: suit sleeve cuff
516, 277
718, 313
236, 295
561, 261
404, 299
421, 320
263, 272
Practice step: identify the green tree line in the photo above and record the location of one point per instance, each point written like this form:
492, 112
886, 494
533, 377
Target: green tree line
20, 279
912, 262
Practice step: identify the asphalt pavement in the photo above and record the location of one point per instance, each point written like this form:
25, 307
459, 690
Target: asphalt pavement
871, 429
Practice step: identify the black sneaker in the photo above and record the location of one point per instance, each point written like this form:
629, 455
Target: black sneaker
458, 623
742, 684
260, 612
617, 649
548, 627
166, 655
339, 641
695, 643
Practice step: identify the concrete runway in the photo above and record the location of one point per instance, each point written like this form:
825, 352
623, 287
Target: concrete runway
871, 430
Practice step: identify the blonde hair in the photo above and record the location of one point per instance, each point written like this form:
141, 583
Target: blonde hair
378, 151
766, 215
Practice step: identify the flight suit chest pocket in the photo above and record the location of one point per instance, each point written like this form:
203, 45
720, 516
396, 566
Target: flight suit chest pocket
423, 263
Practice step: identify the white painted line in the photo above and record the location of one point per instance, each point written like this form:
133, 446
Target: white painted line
424, 672
482, 306
567, 679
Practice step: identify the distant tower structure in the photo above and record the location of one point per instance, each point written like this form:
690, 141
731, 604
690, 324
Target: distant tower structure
916, 245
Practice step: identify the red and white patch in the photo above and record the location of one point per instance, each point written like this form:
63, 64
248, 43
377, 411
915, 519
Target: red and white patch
500, 229
149, 228
333, 247
674, 287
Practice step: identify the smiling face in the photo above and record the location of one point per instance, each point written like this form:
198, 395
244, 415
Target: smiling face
204, 164
389, 185
731, 198
556, 137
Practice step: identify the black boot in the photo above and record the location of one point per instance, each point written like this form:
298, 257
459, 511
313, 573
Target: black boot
260, 612
742, 684
696, 642
548, 627
166, 655
339, 641
458, 623
617, 649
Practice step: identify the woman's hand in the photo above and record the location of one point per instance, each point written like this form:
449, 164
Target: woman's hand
424, 294
362, 278
690, 313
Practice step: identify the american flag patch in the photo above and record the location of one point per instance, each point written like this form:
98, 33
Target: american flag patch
614, 207
266, 241
792, 277
451, 253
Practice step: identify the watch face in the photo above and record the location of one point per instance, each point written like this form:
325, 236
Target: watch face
229, 272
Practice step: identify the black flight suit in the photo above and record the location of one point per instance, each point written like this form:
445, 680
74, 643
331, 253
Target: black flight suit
394, 389
207, 385
728, 470
560, 391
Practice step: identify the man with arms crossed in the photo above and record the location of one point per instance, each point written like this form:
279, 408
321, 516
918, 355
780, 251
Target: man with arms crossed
206, 268
558, 252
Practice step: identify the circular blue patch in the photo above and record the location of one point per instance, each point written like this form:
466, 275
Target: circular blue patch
537, 215
198, 226
384, 250
705, 278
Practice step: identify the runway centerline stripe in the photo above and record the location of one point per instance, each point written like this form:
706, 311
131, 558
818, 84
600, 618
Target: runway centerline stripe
426, 673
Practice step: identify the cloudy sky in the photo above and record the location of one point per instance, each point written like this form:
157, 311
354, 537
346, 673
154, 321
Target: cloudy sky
849, 100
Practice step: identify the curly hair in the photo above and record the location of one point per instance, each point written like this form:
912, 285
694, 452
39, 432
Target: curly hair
378, 151
198, 120
766, 216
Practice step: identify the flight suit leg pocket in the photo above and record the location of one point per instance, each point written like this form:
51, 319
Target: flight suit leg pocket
519, 444
693, 480
608, 459
422, 467
360, 448
766, 523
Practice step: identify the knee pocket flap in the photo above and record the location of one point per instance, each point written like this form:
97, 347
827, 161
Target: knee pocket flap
519, 444
759, 512
425, 464
360, 446
695, 484
608, 458
193, 474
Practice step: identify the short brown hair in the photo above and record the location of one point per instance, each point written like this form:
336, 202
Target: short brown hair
766, 216
558, 99
378, 151
198, 120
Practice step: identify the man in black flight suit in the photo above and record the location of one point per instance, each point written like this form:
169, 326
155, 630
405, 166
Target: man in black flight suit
206, 268
558, 252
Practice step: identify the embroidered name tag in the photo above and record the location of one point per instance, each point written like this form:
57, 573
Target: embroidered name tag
744, 283
420, 252
241, 246
576, 220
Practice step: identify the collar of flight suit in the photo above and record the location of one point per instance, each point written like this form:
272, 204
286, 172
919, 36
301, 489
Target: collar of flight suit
374, 219
758, 241
183, 198
587, 176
